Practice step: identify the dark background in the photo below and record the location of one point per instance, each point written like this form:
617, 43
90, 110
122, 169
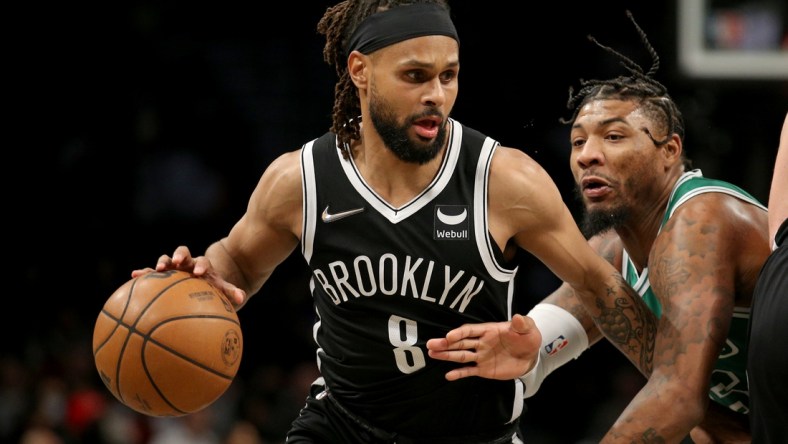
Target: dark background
147, 125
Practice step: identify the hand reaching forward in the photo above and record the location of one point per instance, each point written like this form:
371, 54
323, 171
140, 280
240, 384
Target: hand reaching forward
493, 350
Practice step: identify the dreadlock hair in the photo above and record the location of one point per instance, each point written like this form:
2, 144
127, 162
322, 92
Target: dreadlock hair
337, 25
639, 87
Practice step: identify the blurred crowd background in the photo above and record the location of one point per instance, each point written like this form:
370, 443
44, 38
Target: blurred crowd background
146, 125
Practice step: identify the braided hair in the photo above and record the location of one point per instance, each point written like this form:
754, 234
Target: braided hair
638, 86
337, 25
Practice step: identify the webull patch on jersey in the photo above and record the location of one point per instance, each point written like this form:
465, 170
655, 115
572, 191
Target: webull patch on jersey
451, 222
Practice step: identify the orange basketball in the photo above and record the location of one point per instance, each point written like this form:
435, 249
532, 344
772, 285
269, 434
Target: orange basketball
167, 344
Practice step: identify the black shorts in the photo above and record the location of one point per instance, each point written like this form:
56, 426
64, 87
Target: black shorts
323, 420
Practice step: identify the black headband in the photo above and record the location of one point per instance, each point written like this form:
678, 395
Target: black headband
401, 23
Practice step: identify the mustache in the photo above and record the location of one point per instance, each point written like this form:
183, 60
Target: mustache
429, 112
594, 173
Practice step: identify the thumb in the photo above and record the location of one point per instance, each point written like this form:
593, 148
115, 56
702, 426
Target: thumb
522, 324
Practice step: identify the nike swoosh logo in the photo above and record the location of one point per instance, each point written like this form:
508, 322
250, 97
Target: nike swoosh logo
329, 217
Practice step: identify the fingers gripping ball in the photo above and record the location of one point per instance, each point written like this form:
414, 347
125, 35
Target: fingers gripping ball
167, 344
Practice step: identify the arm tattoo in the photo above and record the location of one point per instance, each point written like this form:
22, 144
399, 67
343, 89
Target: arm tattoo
629, 324
650, 436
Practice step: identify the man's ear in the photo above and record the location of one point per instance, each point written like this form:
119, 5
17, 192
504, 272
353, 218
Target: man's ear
357, 64
672, 150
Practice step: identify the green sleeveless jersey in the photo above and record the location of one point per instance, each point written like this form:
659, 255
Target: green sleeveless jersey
728, 379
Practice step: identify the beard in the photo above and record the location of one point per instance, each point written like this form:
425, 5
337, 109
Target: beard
395, 136
598, 221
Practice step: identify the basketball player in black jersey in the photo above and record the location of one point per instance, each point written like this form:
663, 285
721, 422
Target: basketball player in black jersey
767, 358
689, 245
409, 221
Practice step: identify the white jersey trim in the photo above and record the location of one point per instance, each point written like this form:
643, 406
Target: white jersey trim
480, 214
309, 193
642, 284
397, 214
705, 189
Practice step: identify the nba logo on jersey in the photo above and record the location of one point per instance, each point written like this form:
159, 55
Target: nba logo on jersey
451, 222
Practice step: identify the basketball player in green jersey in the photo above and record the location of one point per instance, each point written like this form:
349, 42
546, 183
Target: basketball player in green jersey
692, 248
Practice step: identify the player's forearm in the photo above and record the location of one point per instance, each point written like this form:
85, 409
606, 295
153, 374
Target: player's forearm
565, 298
223, 263
636, 430
624, 319
663, 414
231, 271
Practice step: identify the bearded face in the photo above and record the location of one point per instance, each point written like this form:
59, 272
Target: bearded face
395, 136
598, 220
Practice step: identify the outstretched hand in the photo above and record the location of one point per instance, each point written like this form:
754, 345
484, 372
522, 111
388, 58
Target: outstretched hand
199, 266
493, 350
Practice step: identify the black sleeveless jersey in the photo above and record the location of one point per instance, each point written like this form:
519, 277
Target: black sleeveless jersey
387, 279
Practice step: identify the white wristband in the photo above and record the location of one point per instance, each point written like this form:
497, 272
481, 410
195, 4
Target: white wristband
563, 339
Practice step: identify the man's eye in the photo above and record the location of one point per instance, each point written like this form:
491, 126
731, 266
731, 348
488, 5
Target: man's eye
448, 76
416, 76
